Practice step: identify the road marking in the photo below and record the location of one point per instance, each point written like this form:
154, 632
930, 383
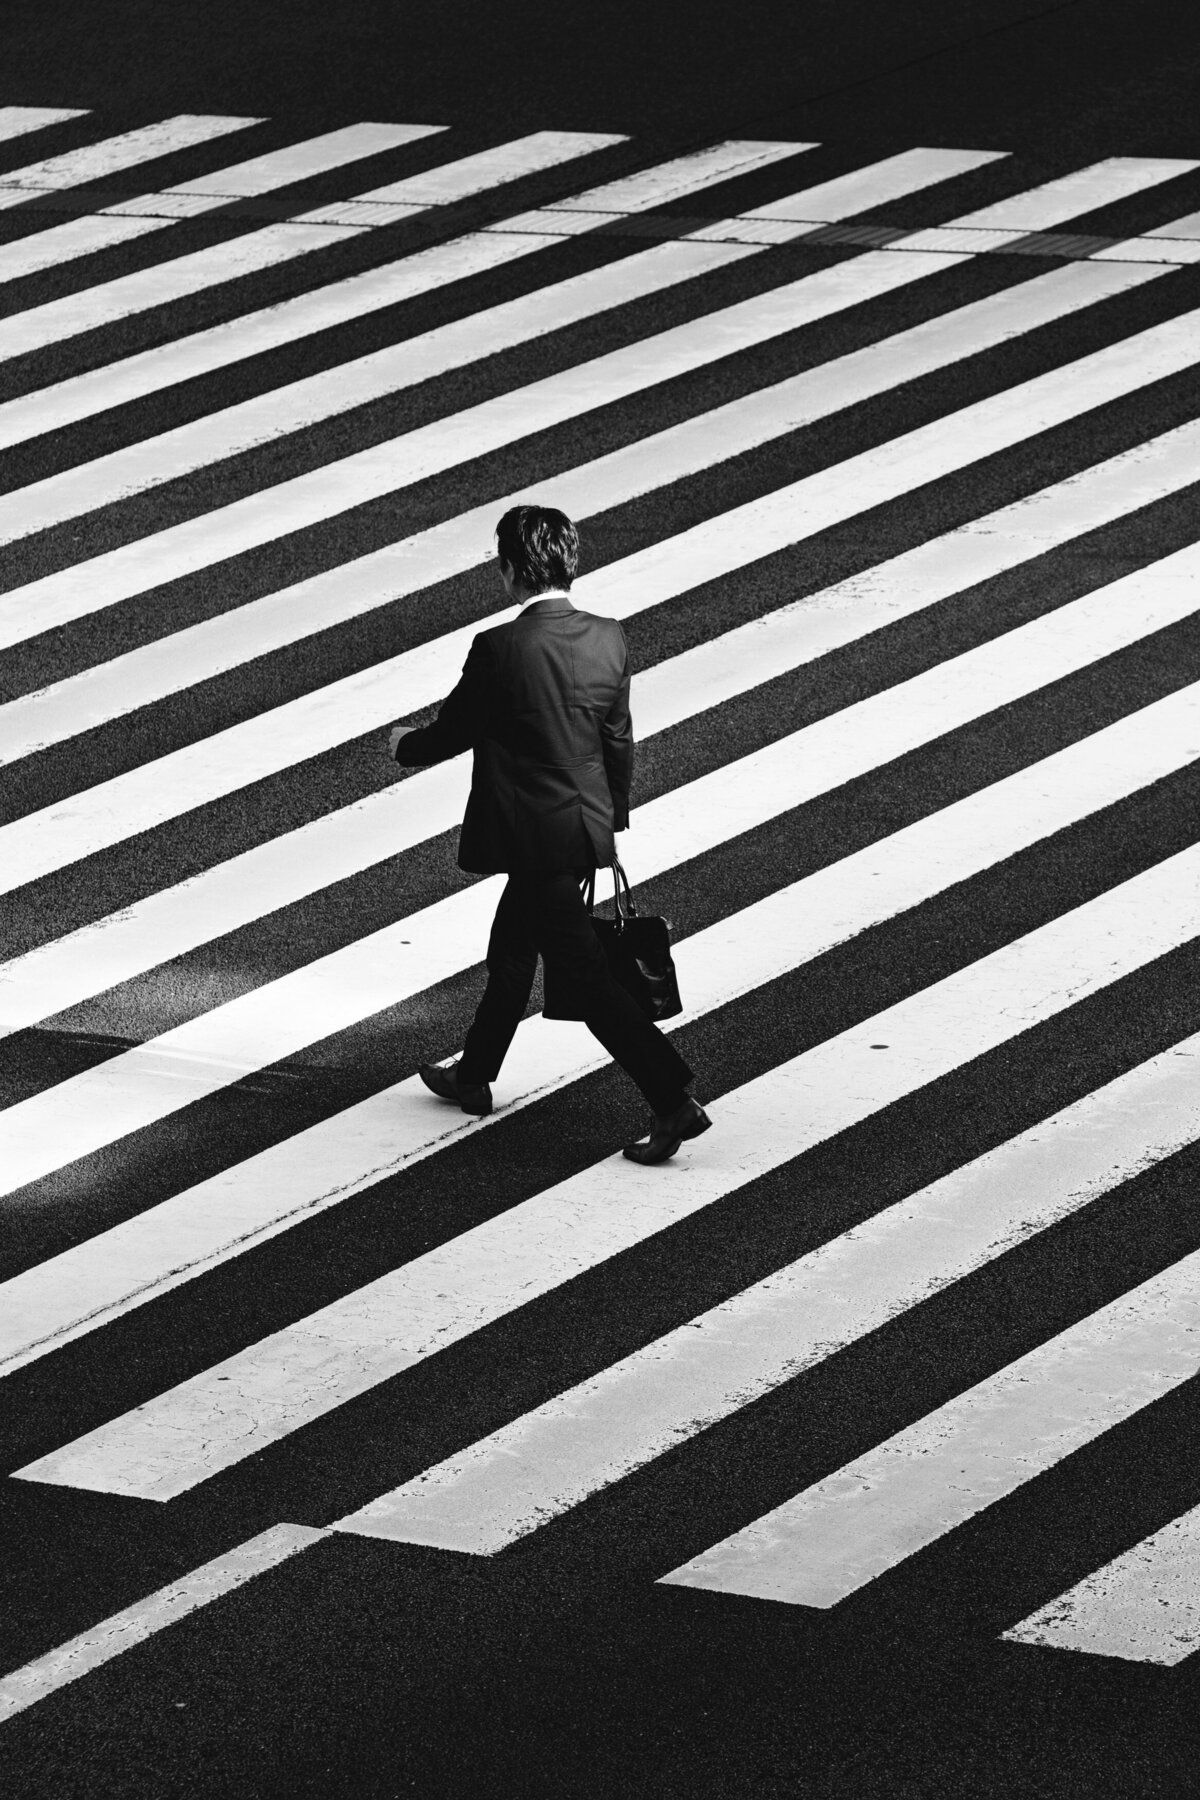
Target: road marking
15, 121
90, 307
168, 1243
161, 926
333, 488
100, 816
128, 295
511, 1482
1069, 197
69, 707
124, 220
97, 389
134, 1624
449, 182
980, 1447
1144, 1606
93, 162
589, 1437
217, 1048
184, 449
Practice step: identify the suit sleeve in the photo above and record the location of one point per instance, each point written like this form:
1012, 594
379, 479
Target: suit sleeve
463, 716
616, 737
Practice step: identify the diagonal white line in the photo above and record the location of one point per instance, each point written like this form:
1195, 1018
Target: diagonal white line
101, 816
96, 389
125, 220
169, 923
134, 1624
1069, 197
16, 121
1143, 1606
925, 1481
260, 1395
94, 161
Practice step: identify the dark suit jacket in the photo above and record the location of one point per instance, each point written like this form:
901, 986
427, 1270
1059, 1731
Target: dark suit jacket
544, 703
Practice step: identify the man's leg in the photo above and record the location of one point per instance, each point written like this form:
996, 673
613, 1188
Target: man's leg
511, 966
563, 932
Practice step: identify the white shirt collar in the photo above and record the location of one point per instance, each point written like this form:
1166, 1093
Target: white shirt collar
550, 594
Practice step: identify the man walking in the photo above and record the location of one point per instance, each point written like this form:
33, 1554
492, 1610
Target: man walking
544, 703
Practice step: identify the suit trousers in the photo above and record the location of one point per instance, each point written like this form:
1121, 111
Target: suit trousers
546, 914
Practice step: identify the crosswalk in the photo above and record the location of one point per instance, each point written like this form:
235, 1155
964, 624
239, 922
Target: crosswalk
900, 521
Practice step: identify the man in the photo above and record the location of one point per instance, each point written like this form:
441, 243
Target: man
543, 702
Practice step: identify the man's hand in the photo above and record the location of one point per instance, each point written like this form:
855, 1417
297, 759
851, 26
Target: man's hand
398, 732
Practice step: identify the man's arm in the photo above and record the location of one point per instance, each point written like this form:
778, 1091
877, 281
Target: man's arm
462, 718
616, 737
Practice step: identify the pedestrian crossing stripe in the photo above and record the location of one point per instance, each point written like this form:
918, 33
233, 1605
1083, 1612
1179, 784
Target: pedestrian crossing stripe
551, 1459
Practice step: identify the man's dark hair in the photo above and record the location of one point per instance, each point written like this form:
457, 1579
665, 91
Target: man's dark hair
541, 544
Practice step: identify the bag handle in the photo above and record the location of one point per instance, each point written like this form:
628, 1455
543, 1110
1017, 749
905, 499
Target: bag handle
622, 895
620, 880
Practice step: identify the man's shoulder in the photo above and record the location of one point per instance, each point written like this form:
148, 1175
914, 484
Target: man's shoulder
601, 627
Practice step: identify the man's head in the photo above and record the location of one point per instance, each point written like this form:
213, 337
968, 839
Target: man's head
539, 546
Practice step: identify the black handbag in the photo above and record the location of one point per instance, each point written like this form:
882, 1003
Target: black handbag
639, 957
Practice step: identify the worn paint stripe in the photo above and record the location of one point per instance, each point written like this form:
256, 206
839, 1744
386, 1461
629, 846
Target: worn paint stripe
134, 1624
1143, 1606
983, 1445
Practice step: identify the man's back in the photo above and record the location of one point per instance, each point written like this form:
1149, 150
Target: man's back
544, 703
554, 756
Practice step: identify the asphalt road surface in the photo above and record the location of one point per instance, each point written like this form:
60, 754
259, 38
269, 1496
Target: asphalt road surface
353, 1447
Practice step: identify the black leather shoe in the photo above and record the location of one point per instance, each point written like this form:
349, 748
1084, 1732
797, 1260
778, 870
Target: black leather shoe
472, 1097
669, 1132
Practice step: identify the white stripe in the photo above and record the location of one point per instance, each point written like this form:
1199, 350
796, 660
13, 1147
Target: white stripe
857, 192
76, 237
96, 389
297, 162
94, 161
173, 921
252, 1399
15, 121
1159, 248
131, 294
168, 1244
511, 1481
1188, 227
677, 179
1070, 197
902, 1496
125, 220
100, 816
587, 386
1144, 1606
207, 1053
92, 1648
449, 182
